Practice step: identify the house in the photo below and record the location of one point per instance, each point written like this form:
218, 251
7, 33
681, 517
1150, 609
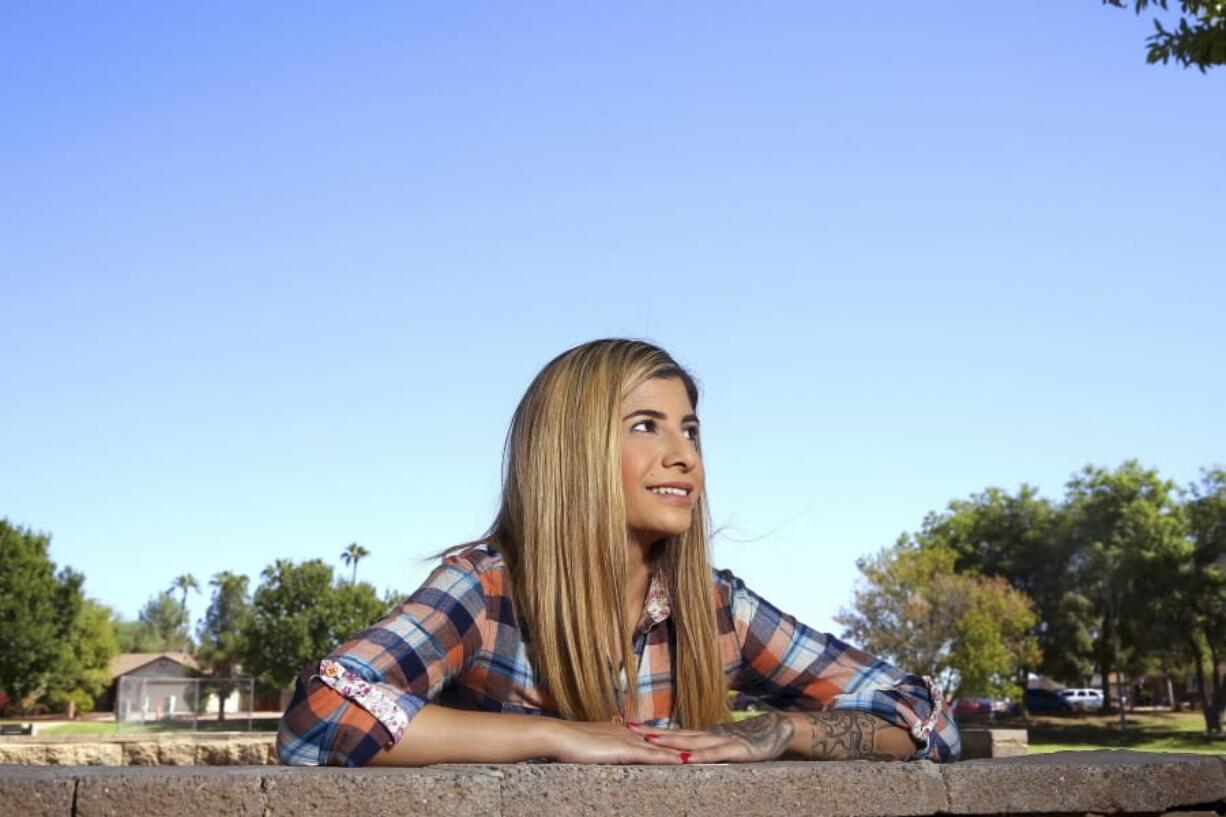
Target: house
163, 695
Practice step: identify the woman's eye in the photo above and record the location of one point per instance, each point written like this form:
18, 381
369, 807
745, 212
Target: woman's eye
691, 433
646, 425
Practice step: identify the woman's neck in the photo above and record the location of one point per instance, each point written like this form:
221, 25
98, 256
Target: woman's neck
638, 578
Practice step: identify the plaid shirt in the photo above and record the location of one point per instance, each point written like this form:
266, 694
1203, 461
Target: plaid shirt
456, 642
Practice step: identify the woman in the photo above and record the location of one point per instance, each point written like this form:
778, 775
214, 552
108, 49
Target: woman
591, 599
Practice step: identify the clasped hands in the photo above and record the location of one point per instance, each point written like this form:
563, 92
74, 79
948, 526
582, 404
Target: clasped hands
764, 737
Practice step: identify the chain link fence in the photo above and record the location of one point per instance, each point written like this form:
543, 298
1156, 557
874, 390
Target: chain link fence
169, 703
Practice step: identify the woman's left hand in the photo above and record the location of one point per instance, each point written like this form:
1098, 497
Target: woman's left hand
764, 737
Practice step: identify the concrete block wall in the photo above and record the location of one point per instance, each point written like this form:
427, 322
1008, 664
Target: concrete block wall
1066, 783
177, 749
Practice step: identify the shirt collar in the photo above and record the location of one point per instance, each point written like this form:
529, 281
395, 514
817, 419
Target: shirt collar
657, 606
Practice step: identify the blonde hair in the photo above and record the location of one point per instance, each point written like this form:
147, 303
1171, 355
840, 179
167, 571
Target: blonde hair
561, 529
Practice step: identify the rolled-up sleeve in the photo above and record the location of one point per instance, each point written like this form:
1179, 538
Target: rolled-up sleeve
359, 699
791, 666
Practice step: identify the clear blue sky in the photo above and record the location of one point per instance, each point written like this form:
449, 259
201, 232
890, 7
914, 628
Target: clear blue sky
273, 277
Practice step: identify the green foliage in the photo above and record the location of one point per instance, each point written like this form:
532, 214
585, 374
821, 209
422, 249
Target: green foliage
994, 642
1124, 576
353, 554
163, 616
55, 644
1127, 532
32, 623
1022, 539
137, 636
393, 598
299, 614
1198, 38
1200, 603
221, 632
970, 632
184, 583
85, 656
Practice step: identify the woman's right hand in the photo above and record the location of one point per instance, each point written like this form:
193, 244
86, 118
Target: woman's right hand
595, 742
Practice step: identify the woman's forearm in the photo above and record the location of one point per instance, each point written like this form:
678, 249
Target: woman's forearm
439, 734
847, 735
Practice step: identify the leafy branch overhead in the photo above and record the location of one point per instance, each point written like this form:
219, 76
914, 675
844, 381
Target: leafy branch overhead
1198, 38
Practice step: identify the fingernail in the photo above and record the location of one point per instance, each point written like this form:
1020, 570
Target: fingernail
632, 723
685, 757
650, 737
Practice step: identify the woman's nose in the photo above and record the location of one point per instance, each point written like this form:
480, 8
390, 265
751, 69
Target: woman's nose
681, 451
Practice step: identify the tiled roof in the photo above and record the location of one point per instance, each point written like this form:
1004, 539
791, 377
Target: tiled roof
124, 663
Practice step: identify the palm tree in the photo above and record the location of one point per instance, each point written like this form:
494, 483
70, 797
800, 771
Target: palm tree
184, 583
352, 555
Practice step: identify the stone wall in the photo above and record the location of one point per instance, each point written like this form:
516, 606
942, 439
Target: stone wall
1065, 783
177, 749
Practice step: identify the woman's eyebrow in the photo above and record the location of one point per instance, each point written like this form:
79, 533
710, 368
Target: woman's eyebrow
659, 415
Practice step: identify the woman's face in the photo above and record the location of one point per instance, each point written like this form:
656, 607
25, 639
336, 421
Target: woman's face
661, 465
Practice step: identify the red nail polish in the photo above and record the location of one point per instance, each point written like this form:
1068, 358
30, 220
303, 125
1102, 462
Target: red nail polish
650, 737
632, 723
685, 757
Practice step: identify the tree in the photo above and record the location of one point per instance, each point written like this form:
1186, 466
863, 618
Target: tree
221, 632
55, 644
352, 555
137, 636
1202, 604
163, 615
1128, 537
969, 632
85, 657
1199, 38
1023, 538
184, 583
299, 614
29, 650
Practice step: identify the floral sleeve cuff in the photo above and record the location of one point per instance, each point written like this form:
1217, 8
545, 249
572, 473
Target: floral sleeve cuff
375, 698
922, 730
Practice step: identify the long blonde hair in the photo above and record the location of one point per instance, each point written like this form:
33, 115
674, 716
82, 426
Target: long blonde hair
561, 529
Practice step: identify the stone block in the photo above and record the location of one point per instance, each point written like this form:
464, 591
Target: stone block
436, 791
848, 789
35, 791
1010, 742
979, 744
181, 752
1100, 782
92, 753
235, 751
168, 792
23, 754
140, 753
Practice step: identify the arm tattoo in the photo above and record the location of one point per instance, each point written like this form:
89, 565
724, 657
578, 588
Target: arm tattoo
843, 735
766, 735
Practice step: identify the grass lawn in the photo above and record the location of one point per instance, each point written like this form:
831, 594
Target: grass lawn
1146, 732
108, 727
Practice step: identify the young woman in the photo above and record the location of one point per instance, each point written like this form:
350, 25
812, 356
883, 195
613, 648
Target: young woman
591, 599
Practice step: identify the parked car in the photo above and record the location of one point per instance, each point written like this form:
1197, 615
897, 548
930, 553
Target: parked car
1045, 702
966, 709
1004, 708
1083, 700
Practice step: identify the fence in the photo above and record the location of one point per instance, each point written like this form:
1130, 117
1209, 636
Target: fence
166, 703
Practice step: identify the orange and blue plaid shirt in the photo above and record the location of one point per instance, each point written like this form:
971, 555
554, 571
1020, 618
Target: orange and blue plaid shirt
456, 642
